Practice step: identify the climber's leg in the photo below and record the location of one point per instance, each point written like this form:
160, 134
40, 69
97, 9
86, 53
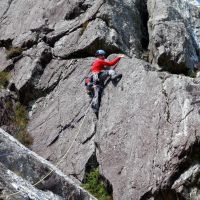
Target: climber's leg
96, 98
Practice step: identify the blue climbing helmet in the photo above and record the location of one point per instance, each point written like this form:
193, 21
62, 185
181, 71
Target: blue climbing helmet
100, 53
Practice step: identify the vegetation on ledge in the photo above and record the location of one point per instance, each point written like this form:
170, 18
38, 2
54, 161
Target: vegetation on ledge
95, 185
19, 122
13, 52
4, 79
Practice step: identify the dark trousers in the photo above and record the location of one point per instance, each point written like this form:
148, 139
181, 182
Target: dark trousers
98, 88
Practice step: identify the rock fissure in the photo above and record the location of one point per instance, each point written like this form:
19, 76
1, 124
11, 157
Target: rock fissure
6, 43
28, 92
147, 195
187, 114
167, 109
77, 10
94, 179
55, 38
67, 75
144, 14
91, 136
4, 13
71, 124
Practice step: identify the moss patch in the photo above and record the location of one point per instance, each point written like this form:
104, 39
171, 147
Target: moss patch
4, 79
191, 74
84, 27
13, 52
95, 185
19, 122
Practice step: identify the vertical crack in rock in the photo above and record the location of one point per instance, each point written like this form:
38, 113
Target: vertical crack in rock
164, 92
28, 92
6, 43
9, 4
142, 7
80, 8
92, 165
167, 110
146, 196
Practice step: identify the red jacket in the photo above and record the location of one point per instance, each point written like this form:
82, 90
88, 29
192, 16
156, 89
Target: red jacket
99, 64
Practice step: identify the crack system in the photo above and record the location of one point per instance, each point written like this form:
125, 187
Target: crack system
92, 162
144, 15
164, 92
8, 7
91, 166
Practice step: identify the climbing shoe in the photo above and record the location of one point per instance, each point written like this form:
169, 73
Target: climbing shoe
90, 93
117, 77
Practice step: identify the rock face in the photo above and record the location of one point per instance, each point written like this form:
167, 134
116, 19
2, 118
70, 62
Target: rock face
146, 139
20, 168
154, 127
174, 34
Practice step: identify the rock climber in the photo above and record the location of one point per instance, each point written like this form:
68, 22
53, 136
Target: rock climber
100, 70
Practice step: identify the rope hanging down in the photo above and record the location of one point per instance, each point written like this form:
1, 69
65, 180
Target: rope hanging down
62, 158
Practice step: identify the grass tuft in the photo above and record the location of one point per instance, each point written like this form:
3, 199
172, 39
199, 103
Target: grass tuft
4, 79
84, 27
13, 52
20, 120
95, 185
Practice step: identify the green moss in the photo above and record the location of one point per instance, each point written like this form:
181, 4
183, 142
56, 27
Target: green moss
24, 137
84, 27
94, 184
21, 116
145, 56
4, 79
20, 120
192, 74
13, 52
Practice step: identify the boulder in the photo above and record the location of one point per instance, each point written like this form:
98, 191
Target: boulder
22, 172
28, 70
174, 35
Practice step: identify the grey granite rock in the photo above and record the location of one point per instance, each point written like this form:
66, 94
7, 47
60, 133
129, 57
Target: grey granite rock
26, 40
59, 115
28, 69
22, 168
4, 63
146, 140
143, 122
174, 34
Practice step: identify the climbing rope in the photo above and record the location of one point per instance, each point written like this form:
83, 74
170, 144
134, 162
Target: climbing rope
62, 158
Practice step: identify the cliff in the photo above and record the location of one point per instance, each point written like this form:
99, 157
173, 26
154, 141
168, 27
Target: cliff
146, 139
